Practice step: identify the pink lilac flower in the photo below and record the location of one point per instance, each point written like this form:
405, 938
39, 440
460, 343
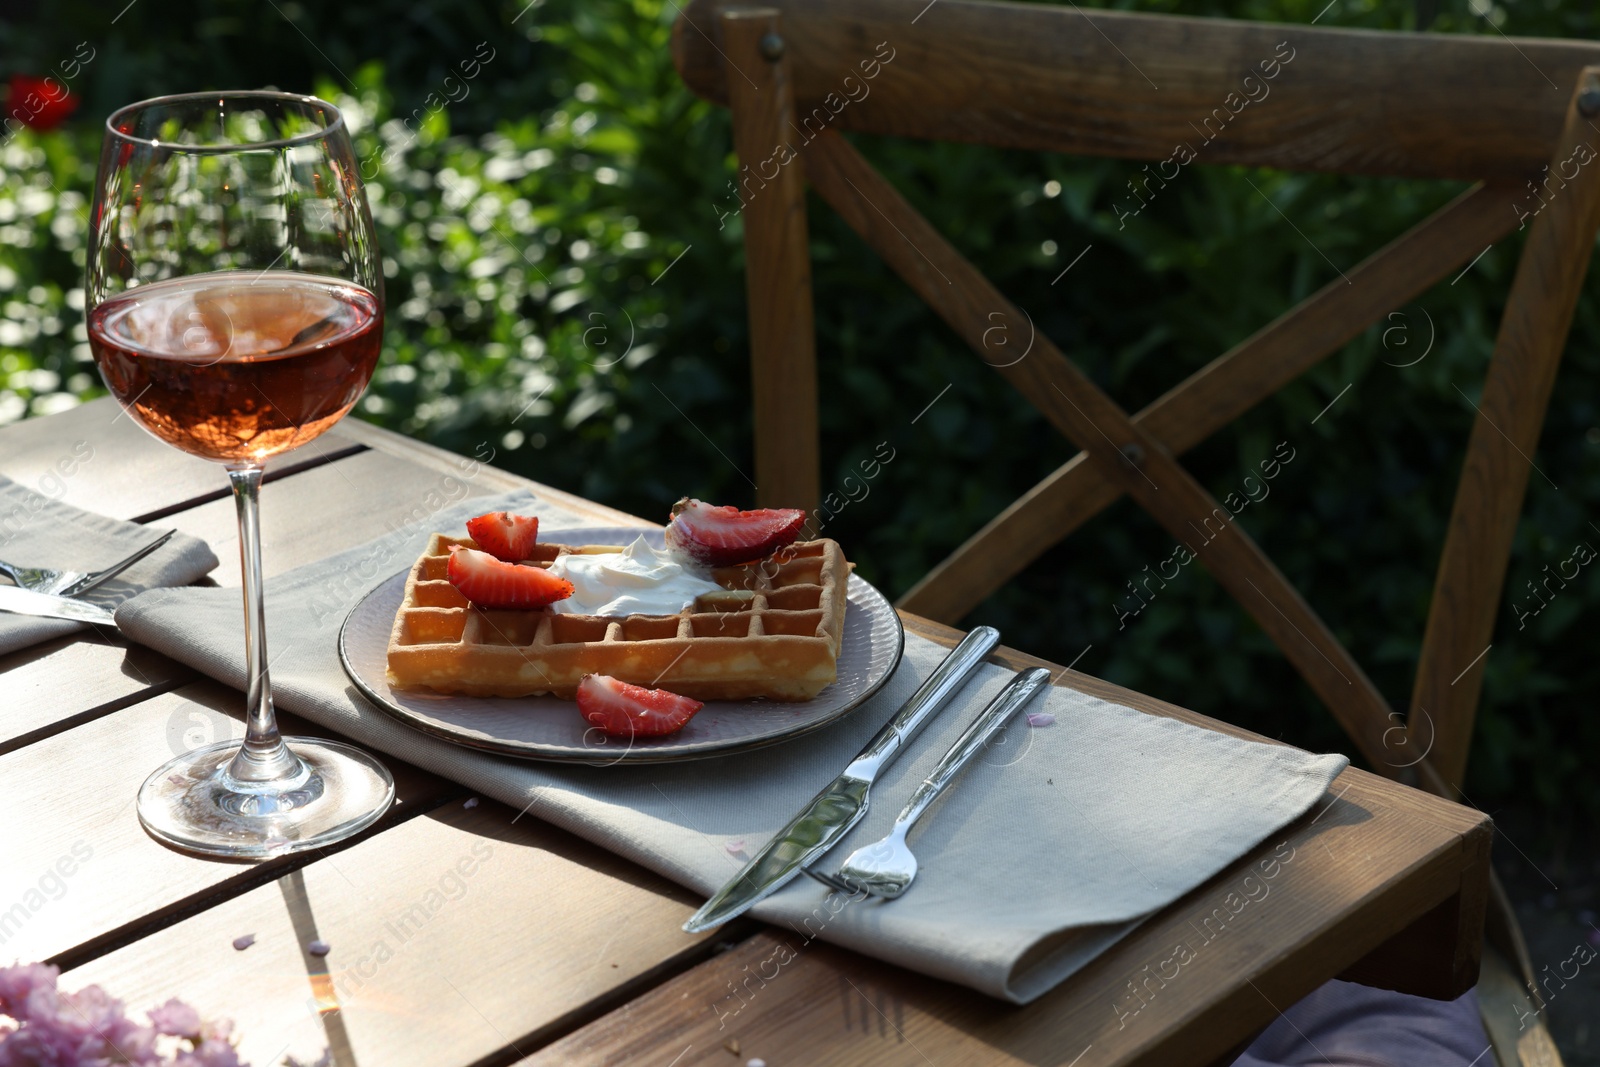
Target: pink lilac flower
27, 988
48, 1028
213, 1051
176, 1018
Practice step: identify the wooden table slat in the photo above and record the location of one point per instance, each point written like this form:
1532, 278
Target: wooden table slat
97, 458
78, 788
109, 674
453, 936
306, 515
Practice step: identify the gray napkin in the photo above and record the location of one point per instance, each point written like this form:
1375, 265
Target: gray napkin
1050, 848
37, 531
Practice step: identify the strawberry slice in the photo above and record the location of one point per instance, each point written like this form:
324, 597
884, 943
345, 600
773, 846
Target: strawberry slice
493, 583
722, 536
624, 710
505, 537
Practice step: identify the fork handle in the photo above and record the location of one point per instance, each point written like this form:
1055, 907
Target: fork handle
1017, 693
91, 581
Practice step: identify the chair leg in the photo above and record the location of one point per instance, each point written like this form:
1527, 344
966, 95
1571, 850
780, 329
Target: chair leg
1514, 1022
1468, 591
783, 362
1502, 931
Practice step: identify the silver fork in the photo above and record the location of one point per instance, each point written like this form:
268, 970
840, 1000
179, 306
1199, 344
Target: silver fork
71, 583
885, 868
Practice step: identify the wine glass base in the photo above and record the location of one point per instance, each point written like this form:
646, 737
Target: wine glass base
187, 802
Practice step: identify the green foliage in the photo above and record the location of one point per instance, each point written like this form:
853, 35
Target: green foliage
565, 284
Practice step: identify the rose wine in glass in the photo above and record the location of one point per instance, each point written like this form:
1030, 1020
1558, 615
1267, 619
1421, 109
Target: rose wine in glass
235, 368
235, 302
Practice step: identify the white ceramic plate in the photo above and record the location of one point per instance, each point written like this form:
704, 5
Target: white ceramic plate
545, 728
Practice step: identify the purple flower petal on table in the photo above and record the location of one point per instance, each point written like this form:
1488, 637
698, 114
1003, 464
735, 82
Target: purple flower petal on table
1041, 718
471, 803
735, 845
319, 947
242, 943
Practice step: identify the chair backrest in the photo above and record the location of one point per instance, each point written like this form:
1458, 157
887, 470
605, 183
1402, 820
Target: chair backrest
1172, 91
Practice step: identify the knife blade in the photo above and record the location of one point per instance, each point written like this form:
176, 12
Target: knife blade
27, 602
842, 803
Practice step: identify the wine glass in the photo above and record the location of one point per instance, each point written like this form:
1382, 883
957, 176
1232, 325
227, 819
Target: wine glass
235, 309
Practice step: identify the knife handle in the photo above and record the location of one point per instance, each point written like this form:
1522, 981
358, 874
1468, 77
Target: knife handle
1017, 693
950, 675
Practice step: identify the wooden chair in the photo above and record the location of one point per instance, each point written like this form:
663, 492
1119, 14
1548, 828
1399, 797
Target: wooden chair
1486, 109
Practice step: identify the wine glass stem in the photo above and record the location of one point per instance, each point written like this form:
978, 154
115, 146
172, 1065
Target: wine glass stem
264, 759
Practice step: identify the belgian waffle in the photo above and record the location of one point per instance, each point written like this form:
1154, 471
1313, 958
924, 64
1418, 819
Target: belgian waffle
774, 633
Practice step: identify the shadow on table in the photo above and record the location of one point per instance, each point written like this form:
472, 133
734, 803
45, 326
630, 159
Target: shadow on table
298, 904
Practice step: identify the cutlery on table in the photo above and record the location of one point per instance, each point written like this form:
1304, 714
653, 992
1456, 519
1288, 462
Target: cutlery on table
840, 805
885, 868
47, 605
72, 583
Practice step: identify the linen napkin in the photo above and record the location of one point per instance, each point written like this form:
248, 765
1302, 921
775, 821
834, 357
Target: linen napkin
37, 531
1050, 848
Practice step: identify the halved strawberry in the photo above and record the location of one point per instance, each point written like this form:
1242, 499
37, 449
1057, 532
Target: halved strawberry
493, 583
624, 710
503, 536
721, 536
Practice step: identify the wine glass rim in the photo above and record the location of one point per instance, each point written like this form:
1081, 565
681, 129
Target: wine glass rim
228, 94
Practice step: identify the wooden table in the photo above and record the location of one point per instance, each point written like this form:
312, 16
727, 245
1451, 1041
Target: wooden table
469, 936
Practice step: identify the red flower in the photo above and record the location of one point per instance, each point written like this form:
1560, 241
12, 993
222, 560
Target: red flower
39, 103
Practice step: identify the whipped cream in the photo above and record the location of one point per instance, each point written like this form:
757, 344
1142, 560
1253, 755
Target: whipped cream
639, 580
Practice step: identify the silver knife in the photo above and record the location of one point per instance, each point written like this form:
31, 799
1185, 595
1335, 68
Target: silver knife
841, 804
27, 602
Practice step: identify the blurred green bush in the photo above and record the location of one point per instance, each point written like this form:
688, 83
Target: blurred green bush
563, 289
